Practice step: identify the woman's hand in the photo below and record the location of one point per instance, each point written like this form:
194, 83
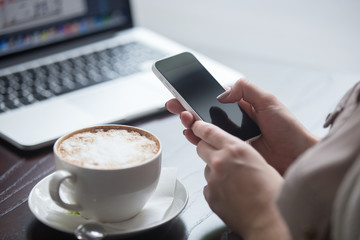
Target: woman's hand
283, 137
241, 184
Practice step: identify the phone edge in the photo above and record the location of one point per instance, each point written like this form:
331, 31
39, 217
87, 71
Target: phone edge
173, 91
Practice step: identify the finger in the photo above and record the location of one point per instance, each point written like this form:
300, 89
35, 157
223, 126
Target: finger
210, 198
207, 173
244, 89
213, 135
188, 133
174, 106
248, 108
205, 151
187, 119
206, 193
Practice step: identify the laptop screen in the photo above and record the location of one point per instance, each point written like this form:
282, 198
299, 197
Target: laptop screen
27, 24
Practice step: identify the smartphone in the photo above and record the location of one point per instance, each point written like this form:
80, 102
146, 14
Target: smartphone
196, 89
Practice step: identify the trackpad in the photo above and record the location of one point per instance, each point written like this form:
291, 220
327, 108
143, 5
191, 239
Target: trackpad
119, 100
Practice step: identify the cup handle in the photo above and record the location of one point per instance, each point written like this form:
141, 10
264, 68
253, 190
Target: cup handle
54, 189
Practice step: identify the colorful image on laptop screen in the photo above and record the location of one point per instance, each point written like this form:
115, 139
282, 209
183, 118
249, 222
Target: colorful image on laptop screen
25, 24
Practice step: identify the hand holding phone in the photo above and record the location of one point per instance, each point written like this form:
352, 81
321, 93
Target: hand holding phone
196, 89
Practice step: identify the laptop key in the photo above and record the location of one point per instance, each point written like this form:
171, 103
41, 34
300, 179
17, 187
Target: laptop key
3, 107
55, 88
3, 90
13, 103
42, 95
26, 100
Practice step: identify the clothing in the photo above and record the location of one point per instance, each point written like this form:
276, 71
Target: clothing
312, 181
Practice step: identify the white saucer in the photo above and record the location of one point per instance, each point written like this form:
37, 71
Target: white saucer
47, 212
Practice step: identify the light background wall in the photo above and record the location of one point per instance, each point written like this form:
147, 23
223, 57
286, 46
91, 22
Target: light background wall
321, 34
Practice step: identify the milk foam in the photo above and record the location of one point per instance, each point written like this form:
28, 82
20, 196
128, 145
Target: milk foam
107, 149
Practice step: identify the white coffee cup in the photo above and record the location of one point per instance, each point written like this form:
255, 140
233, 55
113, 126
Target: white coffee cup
105, 191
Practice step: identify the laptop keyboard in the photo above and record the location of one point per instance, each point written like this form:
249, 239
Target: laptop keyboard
40, 83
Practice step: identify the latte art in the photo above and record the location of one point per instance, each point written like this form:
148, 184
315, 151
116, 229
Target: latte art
108, 148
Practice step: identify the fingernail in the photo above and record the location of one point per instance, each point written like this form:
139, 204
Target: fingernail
224, 94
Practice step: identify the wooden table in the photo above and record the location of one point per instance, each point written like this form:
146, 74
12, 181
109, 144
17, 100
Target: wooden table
21, 171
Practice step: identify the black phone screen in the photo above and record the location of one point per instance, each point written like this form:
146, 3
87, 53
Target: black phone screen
200, 89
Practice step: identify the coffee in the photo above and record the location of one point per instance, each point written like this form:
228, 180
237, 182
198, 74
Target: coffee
108, 147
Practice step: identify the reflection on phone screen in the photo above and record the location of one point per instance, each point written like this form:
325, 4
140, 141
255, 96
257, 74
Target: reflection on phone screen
242, 129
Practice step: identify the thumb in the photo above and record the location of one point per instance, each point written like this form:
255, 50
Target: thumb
243, 89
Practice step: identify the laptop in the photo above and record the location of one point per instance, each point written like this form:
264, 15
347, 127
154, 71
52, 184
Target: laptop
67, 64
